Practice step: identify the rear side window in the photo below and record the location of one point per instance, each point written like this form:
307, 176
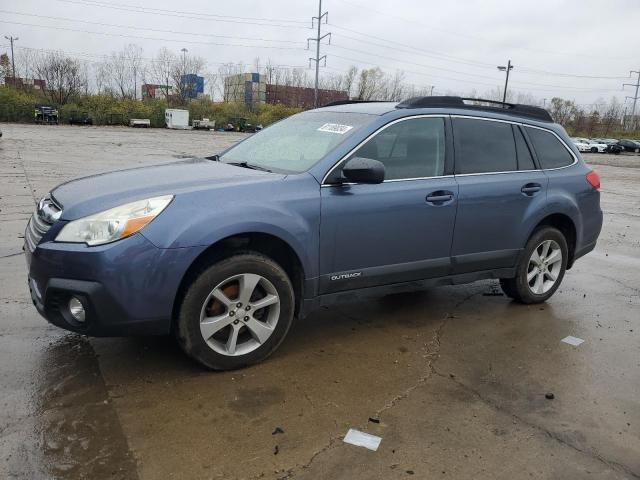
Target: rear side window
483, 146
550, 151
525, 160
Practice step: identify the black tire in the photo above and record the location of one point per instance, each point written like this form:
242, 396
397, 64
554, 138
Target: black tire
594, 149
518, 287
203, 282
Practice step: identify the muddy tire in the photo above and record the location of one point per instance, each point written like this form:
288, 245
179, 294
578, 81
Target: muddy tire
541, 267
235, 312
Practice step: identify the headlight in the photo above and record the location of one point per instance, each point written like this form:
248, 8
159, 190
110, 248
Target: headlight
114, 224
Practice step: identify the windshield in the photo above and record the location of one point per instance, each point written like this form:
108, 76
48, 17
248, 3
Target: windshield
295, 144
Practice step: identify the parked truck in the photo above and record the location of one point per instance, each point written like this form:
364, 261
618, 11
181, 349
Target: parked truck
46, 114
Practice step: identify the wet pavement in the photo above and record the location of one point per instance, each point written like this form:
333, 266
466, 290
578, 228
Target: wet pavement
454, 379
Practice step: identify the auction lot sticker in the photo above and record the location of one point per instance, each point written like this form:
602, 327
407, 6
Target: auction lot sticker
335, 128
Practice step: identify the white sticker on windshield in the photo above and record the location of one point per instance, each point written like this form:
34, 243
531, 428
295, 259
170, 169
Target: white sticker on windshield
335, 128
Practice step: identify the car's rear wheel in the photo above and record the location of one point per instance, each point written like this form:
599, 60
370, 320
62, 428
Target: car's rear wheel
236, 312
594, 149
540, 269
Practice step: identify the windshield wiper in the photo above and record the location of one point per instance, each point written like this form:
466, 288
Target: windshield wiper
215, 158
250, 165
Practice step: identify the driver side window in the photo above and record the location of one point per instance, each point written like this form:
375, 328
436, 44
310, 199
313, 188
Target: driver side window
411, 148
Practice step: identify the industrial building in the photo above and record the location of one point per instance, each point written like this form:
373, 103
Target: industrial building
302, 96
150, 90
25, 83
252, 89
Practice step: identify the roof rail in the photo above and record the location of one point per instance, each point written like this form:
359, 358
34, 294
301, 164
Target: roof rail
530, 111
348, 102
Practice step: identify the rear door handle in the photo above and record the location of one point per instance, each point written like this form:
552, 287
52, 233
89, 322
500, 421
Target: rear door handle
439, 197
531, 189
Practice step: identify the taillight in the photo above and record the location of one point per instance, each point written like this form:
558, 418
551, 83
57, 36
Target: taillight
594, 179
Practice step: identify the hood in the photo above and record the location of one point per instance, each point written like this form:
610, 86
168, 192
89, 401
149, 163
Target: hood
89, 195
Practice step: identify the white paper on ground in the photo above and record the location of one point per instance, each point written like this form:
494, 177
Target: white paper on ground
575, 341
361, 439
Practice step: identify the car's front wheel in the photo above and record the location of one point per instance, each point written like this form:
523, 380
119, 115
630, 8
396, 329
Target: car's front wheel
236, 312
541, 267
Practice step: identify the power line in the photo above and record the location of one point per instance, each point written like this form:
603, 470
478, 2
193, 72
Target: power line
420, 50
461, 80
146, 28
448, 31
453, 59
191, 15
395, 59
422, 65
200, 14
572, 75
155, 39
105, 56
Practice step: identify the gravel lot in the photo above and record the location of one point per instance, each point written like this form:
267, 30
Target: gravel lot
453, 379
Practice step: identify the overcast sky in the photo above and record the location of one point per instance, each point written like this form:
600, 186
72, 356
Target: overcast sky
556, 46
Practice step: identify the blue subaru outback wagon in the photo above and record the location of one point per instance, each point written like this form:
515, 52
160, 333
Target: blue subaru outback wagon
225, 252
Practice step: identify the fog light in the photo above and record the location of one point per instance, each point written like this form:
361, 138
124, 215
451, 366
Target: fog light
76, 309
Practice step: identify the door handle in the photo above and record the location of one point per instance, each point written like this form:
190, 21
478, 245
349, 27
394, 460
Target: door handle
531, 189
439, 197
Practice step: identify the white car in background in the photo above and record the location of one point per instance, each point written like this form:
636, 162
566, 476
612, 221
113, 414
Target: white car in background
582, 144
597, 146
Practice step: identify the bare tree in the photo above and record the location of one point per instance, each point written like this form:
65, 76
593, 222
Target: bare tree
562, 110
5, 66
161, 68
126, 68
369, 84
232, 88
185, 65
611, 116
102, 78
64, 76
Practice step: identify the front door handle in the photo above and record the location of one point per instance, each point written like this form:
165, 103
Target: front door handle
531, 189
440, 197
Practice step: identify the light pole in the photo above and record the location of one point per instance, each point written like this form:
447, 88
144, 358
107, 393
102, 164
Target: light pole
13, 61
507, 69
431, 91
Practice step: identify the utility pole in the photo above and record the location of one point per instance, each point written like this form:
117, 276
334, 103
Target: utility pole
13, 58
635, 97
431, 91
318, 38
508, 68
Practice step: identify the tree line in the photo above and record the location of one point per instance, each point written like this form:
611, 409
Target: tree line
122, 73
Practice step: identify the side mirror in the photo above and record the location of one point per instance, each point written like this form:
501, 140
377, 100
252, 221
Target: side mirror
363, 170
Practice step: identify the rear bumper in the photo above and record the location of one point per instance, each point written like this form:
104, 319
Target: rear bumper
591, 231
127, 287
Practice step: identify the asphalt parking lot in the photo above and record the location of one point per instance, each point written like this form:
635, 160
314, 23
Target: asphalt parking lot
453, 379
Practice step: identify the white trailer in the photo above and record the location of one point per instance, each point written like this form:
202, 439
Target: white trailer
176, 118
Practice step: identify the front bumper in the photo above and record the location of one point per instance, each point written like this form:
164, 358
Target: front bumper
126, 287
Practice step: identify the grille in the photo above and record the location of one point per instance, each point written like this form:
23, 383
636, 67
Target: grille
40, 222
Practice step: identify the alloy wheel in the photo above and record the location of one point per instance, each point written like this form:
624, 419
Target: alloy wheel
240, 314
545, 265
